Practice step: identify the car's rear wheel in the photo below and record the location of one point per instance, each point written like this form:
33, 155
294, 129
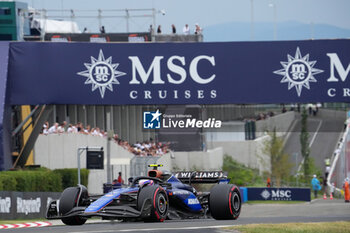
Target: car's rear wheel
70, 198
154, 201
225, 201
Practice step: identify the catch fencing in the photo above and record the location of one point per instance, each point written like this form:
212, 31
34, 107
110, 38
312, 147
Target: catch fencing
139, 165
340, 168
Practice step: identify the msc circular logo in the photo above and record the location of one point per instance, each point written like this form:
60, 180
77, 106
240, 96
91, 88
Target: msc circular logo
101, 73
298, 71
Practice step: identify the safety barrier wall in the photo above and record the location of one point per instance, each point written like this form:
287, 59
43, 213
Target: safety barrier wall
60, 151
195, 160
25, 205
249, 152
280, 122
178, 38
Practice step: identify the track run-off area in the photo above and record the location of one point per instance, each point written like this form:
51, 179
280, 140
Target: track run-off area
315, 211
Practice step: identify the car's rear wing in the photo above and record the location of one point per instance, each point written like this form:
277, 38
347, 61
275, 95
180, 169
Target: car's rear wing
202, 177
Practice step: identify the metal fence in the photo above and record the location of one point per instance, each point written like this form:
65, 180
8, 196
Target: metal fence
139, 165
340, 168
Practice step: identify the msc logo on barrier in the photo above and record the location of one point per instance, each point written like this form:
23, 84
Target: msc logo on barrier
101, 73
151, 120
298, 71
265, 194
277, 195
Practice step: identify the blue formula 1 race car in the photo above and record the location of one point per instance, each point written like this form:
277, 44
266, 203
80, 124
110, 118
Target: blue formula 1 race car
154, 198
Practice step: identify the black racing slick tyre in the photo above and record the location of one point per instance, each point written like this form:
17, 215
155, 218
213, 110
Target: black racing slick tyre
70, 198
225, 202
154, 201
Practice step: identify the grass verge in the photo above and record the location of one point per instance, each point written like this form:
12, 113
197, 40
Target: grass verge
320, 227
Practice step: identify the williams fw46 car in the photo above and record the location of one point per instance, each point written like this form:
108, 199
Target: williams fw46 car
154, 198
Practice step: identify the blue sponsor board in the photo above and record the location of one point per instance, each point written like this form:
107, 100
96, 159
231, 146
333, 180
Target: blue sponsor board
279, 194
5, 110
180, 73
34, 73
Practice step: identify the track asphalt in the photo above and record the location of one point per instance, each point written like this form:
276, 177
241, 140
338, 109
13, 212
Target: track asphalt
315, 211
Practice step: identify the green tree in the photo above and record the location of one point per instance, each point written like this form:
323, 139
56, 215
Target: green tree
304, 143
279, 160
238, 173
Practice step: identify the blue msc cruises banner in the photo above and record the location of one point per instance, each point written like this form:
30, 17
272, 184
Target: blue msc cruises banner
180, 73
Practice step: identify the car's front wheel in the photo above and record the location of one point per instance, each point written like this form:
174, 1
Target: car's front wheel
70, 198
153, 200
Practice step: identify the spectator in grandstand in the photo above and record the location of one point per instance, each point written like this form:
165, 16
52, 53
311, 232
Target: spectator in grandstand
151, 29
62, 127
79, 127
72, 129
137, 144
85, 30
46, 128
186, 30
102, 30
87, 130
173, 29
198, 29
159, 29
315, 185
104, 134
96, 132
261, 116
146, 148
53, 129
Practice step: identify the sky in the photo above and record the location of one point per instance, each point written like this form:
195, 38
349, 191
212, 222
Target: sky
204, 12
